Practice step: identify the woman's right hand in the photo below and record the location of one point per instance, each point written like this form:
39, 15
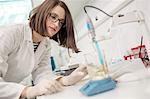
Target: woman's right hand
42, 88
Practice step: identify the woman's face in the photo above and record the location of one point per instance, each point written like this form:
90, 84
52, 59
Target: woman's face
55, 20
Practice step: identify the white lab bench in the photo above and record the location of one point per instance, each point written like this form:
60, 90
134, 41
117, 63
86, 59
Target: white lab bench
124, 90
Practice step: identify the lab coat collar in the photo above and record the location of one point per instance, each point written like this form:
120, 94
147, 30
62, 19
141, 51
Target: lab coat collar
44, 45
28, 36
28, 33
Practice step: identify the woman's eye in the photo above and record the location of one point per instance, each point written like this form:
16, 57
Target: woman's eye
61, 23
53, 17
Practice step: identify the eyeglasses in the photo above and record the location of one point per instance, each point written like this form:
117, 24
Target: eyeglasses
54, 18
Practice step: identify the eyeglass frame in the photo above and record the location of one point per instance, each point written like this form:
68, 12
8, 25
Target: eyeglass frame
50, 17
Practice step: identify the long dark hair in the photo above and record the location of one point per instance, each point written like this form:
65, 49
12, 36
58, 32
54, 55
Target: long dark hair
65, 35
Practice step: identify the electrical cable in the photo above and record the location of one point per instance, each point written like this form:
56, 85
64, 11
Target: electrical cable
90, 6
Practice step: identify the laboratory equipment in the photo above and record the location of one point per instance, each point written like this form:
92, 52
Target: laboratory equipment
141, 52
66, 70
98, 85
137, 44
94, 87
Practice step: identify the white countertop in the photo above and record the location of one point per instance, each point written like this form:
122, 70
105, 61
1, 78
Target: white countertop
124, 90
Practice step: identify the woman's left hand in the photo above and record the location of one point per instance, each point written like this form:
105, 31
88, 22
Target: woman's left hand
75, 76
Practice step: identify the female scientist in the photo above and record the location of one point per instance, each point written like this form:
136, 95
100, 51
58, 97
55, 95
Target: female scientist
25, 49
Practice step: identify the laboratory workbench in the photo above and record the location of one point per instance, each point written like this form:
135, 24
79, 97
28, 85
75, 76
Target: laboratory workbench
125, 90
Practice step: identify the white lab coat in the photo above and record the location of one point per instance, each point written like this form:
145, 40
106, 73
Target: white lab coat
18, 60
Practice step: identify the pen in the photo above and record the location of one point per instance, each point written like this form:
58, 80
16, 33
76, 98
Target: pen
33, 85
140, 56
